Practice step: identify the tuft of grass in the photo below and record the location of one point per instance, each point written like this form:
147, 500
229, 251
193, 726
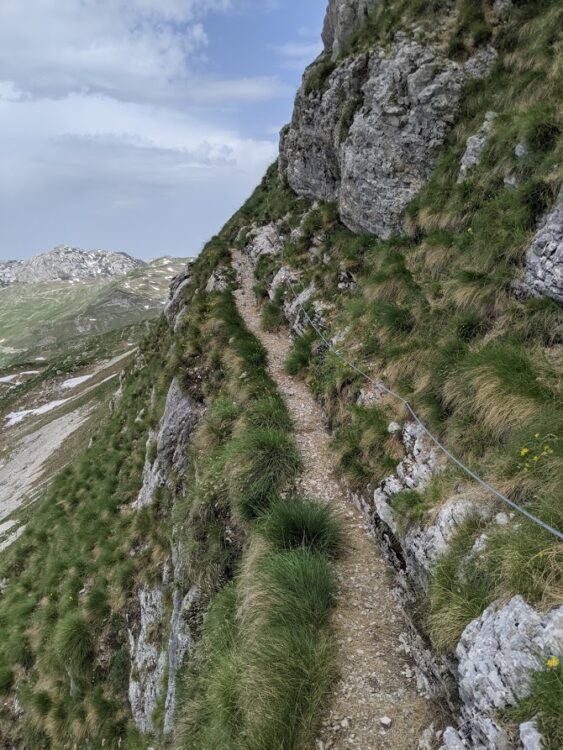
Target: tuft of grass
293, 587
73, 644
459, 589
300, 354
301, 523
267, 656
270, 412
544, 705
271, 316
318, 74
264, 461
410, 506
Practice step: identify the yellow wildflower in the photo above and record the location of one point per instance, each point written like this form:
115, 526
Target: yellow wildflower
552, 662
524, 451
536, 458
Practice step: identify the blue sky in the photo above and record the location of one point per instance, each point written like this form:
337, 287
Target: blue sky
141, 125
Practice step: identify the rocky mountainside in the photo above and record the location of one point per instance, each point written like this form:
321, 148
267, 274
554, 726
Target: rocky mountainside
80, 295
184, 581
65, 263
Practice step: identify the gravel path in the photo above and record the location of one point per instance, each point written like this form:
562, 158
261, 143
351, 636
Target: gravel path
375, 703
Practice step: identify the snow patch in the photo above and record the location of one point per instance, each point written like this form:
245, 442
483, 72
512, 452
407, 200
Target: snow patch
73, 382
15, 417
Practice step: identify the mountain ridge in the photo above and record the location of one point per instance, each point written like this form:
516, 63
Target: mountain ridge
67, 263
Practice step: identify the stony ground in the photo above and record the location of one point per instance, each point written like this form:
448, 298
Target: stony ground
375, 703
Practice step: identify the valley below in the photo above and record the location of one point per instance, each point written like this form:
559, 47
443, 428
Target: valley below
63, 344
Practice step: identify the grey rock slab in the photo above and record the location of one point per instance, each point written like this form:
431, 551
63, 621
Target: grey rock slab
310, 156
181, 416
475, 146
343, 18
370, 137
427, 545
497, 656
544, 258
284, 276
264, 240
173, 308
530, 737
148, 658
180, 643
411, 98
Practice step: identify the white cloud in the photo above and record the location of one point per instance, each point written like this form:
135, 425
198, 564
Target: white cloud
47, 140
297, 55
132, 50
109, 117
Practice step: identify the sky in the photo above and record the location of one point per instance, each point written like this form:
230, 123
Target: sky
141, 125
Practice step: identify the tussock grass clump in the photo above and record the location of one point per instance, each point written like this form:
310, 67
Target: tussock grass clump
544, 703
302, 523
362, 444
267, 657
269, 412
73, 643
271, 316
264, 460
300, 354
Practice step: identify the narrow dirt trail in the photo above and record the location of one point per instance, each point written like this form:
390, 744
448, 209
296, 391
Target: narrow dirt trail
377, 682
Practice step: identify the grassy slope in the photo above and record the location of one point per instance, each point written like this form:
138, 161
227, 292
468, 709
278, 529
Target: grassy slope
54, 312
71, 578
434, 316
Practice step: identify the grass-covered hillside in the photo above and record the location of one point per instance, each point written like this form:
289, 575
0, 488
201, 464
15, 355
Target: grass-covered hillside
433, 313
46, 318
259, 556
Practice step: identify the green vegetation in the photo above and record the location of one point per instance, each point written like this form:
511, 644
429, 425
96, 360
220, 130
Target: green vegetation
68, 580
59, 313
544, 704
267, 655
319, 73
302, 523
434, 315
300, 354
74, 575
266, 658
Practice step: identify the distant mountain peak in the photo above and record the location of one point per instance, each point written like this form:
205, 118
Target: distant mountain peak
66, 263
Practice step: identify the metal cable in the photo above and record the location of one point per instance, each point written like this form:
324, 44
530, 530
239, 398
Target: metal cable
453, 459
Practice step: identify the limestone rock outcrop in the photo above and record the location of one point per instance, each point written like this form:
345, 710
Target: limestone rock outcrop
263, 240
148, 657
544, 259
153, 655
475, 146
174, 307
343, 18
369, 133
497, 655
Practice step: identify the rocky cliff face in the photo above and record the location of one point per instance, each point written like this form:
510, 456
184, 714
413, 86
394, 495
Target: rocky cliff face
544, 258
343, 18
368, 134
66, 263
159, 639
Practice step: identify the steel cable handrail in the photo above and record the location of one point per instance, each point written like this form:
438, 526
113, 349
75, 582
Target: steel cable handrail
530, 516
